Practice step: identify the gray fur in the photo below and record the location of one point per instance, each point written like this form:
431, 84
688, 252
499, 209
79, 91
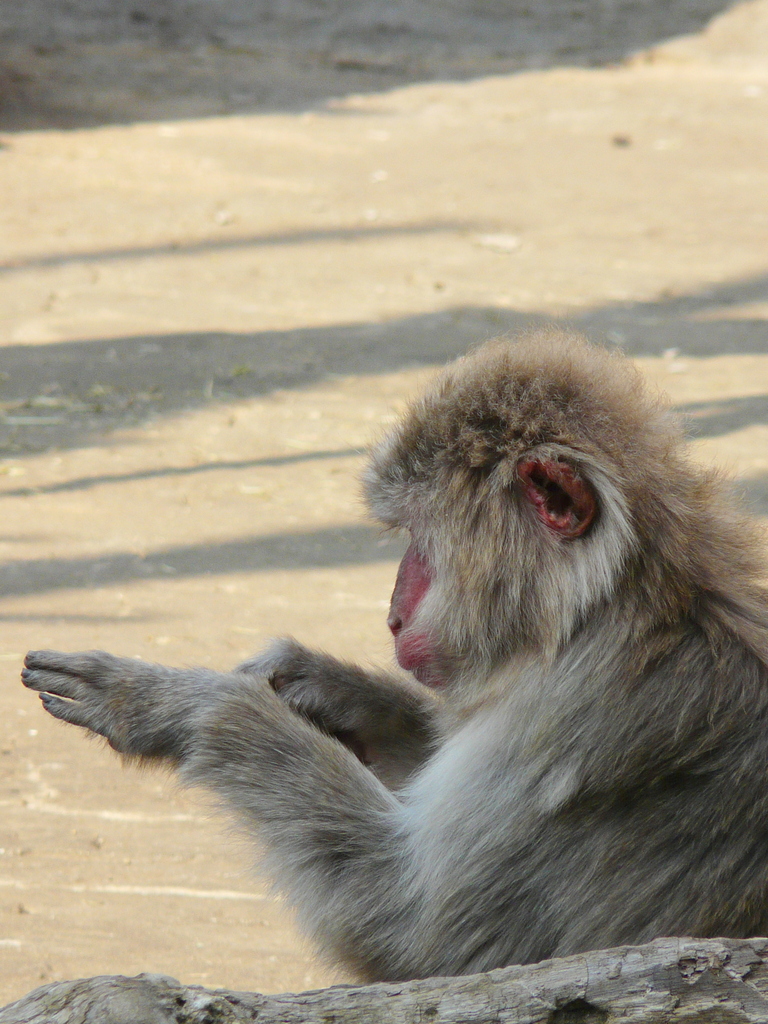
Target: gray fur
596, 772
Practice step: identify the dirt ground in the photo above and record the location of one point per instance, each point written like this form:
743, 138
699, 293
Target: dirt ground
208, 307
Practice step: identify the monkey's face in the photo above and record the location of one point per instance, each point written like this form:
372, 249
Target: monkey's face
517, 476
486, 577
414, 646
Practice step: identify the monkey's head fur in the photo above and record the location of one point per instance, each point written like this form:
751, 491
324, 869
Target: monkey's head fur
545, 485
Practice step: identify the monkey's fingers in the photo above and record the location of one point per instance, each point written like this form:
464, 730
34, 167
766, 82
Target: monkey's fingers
280, 662
62, 684
72, 711
90, 666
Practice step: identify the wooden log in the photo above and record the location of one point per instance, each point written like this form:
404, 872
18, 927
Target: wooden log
696, 981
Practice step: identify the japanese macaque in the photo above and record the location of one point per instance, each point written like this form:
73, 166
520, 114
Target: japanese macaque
582, 758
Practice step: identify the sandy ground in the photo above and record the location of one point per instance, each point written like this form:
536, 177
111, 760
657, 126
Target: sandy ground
206, 318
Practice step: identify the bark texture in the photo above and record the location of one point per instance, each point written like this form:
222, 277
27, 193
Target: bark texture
707, 981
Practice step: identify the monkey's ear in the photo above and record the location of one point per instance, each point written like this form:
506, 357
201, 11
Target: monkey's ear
564, 501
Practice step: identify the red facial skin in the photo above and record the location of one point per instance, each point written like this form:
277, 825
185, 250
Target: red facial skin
414, 650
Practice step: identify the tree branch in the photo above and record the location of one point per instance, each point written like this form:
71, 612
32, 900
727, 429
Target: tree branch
699, 981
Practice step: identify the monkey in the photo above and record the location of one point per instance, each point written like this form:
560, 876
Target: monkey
575, 755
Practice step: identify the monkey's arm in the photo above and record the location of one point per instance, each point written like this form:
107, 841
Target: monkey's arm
334, 833
387, 722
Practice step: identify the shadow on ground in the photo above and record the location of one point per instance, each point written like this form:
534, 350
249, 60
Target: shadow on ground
212, 246
75, 63
312, 549
69, 394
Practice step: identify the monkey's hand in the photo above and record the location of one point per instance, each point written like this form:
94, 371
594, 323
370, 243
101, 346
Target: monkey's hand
142, 709
388, 723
